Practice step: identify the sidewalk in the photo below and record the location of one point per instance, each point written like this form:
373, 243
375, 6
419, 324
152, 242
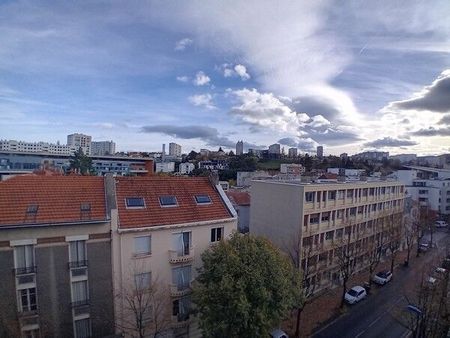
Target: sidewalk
325, 307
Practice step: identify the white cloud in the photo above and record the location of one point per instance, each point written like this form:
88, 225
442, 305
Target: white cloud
201, 79
183, 43
202, 100
183, 78
242, 72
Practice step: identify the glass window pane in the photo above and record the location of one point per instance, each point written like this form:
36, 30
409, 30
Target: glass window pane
79, 291
142, 245
83, 328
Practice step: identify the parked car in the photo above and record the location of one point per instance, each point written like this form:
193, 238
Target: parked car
278, 334
382, 277
440, 224
423, 247
355, 294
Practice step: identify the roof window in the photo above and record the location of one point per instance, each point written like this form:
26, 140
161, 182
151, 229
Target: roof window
31, 213
168, 201
135, 202
85, 211
202, 199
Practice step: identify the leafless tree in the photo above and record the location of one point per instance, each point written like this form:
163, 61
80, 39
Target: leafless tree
146, 306
409, 233
393, 232
375, 244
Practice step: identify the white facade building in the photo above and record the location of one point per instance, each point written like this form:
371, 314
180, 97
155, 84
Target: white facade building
80, 140
36, 147
186, 168
174, 149
292, 169
165, 167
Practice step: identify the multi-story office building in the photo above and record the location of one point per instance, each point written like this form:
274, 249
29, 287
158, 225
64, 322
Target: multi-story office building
160, 227
36, 147
275, 149
13, 163
319, 151
318, 216
239, 148
80, 141
293, 152
174, 149
55, 258
103, 148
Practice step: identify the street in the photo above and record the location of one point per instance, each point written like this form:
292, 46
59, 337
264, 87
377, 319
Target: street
372, 317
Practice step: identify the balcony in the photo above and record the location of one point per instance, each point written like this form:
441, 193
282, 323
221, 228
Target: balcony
175, 257
78, 264
179, 291
25, 270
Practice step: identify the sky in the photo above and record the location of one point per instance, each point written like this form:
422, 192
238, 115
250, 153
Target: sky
349, 75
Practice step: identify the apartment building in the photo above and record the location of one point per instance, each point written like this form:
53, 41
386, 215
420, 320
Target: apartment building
55, 258
174, 149
160, 227
186, 168
315, 216
292, 152
80, 141
239, 148
103, 148
37, 147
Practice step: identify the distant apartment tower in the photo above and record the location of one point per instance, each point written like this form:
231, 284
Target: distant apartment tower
293, 152
103, 148
319, 151
174, 149
80, 140
275, 149
239, 148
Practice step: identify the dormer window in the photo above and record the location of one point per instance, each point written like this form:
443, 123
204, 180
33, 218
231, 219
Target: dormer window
168, 201
135, 202
202, 199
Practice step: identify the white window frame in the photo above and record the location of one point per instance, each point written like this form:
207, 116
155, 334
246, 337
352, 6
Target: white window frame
142, 254
215, 237
19, 298
16, 258
82, 317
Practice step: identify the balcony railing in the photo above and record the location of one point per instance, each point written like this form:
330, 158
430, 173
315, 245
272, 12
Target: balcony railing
78, 264
185, 256
25, 270
79, 303
179, 291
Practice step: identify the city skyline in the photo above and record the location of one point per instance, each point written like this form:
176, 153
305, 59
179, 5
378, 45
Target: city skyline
350, 77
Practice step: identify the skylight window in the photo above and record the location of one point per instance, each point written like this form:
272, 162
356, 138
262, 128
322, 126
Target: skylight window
85, 207
135, 202
168, 201
202, 199
32, 209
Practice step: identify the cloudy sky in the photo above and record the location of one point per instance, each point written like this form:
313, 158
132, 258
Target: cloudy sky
349, 75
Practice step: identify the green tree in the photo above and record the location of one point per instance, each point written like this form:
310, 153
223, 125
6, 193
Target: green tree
245, 288
81, 163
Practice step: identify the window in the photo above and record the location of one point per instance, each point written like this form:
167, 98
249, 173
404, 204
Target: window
341, 194
350, 193
77, 253
216, 234
202, 199
332, 195
182, 243
31, 333
24, 255
181, 277
329, 235
135, 202
353, 211
309, 196
364, 192
80, 293
181, 308
83, 328
325, 216
314, 219
27, 300
143, 280
371, 191
168, 201
142, 245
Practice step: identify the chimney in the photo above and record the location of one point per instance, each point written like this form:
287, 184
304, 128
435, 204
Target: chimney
214, 177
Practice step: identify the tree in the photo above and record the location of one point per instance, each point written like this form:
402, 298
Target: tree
410, 226
393, 232
146, 306
245, 288
81, 163
375, 244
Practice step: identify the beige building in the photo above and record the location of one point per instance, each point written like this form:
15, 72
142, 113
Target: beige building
160, 227
316, 217
80, 141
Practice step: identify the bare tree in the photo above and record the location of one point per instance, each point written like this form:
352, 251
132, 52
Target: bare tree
393, 232
409, 231
375, 244
146, 306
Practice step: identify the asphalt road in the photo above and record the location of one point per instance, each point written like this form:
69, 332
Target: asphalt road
372, 317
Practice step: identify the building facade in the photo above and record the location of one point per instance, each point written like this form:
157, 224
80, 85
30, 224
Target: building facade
55, 258
165, 167
320, 151
36, 147
313, 220
239, 148
103, 148
275, 149
80, 141
174, 149
186, 168
292, 152
160, 227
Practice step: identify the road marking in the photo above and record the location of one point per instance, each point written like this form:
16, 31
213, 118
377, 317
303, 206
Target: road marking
376, 320
360, 334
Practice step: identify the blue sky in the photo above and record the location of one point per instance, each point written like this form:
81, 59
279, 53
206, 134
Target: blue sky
351, 76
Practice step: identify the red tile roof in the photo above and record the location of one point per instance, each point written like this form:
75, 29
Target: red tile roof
58, 199
183, 188
239, 197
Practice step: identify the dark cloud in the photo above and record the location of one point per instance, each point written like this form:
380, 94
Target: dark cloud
301, 143
288, 141
207, 134
330, 136
313, 106
445, 120
435, 97
432, 132
388, 142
